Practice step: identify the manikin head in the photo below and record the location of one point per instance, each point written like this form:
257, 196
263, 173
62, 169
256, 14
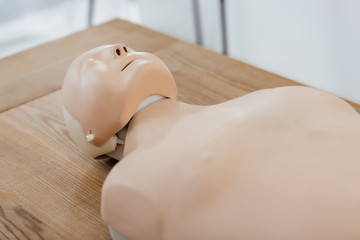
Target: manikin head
104, 87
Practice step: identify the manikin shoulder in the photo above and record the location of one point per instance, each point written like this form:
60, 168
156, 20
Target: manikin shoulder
298, 98
126, 205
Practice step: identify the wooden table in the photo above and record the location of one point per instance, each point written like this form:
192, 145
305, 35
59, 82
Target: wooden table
49, 189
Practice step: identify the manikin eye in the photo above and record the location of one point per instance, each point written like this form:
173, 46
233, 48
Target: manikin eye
95, 65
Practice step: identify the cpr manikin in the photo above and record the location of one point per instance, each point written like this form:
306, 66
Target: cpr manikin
280, 163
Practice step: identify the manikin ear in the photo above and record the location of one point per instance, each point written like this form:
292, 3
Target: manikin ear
77, 135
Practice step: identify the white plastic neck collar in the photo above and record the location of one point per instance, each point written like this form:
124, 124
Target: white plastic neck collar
121, 135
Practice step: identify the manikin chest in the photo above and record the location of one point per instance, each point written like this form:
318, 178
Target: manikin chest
262, 161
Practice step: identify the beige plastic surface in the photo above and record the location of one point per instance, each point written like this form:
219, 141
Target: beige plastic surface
111, 147
274, 164
103, 88
77, 135
281, 163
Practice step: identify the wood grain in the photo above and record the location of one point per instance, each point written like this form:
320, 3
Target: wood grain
17, 223
48, 188
45, 172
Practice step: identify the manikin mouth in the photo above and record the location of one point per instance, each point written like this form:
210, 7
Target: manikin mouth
127, 65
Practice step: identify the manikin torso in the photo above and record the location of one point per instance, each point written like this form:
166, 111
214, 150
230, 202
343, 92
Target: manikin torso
263, 166
274, 164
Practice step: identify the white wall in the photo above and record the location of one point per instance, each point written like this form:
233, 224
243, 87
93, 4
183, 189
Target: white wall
210, 24
172, 17
176, 18
23, 26
315, 42
106, 10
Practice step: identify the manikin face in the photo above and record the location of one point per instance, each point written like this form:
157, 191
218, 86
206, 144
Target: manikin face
114, 59
104, 86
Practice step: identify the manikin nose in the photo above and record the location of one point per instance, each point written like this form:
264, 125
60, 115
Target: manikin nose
121, 50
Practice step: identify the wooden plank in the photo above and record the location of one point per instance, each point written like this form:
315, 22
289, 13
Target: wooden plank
17, 223
46, 174
355, 106
205, 77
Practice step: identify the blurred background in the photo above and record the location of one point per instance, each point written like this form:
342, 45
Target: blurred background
315, 42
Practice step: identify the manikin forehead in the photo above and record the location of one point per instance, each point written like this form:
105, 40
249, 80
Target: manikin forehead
103, 53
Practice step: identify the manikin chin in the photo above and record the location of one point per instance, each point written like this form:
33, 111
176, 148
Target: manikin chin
280, 163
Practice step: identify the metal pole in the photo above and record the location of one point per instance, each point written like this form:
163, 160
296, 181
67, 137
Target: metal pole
223, 27
90, 20
197, 22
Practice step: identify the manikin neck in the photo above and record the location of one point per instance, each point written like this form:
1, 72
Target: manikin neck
121, 135
148, 101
